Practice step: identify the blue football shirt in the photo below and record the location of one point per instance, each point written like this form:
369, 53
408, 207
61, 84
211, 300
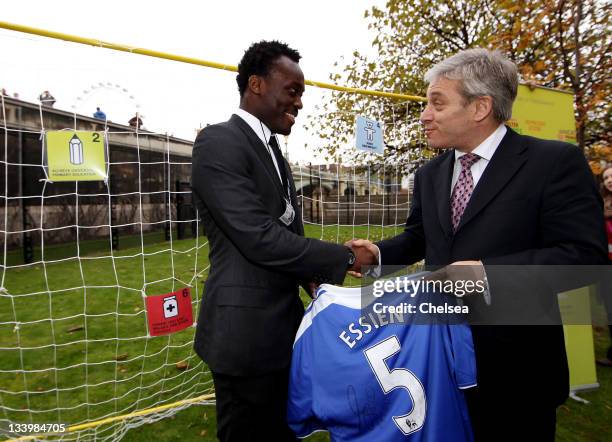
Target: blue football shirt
364, 376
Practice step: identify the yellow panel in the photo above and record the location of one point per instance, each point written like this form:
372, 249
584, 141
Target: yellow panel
76, 156
544, 113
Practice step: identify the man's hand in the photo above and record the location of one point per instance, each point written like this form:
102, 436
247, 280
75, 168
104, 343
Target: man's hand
366, 254
310, 288
459, 273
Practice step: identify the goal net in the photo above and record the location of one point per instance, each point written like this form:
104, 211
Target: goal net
80, 259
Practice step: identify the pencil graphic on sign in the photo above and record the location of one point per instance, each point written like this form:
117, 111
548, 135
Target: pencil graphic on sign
76, 150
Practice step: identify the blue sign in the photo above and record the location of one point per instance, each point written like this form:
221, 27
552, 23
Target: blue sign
369, 135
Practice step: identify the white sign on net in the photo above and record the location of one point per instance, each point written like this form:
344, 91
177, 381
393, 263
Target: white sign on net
369, 135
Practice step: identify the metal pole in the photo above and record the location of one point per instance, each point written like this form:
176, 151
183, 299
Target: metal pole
311, 192
167, 202
388, 205
113, 220
348, 199
193, 213
189, 60
26, 241
180, 228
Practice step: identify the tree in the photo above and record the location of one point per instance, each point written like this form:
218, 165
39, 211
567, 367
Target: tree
409, 37
544, 38
564, 44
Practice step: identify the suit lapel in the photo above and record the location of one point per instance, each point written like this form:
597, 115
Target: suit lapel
442, 189
504, 164
261, 152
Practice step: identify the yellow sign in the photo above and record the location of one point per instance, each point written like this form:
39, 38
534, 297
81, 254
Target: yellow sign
549, 114
544, 113
575, 309
76, 156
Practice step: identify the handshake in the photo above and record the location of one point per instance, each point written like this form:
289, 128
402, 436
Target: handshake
366, 254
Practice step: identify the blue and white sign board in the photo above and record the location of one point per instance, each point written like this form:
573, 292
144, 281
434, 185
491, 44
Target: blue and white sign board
369, 135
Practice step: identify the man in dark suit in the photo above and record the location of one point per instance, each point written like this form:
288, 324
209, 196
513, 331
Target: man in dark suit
499, 198
247, 201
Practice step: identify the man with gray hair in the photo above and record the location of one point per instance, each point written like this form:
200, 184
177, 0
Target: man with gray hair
499, 198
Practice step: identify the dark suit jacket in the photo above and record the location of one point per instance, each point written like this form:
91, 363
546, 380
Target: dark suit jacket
536, 203
250, 309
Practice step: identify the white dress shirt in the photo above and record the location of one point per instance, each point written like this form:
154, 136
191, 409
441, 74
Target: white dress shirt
262, 132
485, 151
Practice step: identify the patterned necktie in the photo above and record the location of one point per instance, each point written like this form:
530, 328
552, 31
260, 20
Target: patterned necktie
463, 189
279, 161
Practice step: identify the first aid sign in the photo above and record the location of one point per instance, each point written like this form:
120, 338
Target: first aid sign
169, 313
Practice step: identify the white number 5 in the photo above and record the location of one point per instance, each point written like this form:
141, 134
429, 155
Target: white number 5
398, 378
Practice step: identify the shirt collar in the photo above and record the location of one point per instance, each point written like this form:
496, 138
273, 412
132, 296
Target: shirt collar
256, 124
487, 148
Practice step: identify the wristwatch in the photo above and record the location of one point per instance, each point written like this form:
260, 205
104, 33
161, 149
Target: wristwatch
352, 258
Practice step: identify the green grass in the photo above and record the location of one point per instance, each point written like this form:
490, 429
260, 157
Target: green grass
590, 422
78, 330
95, 336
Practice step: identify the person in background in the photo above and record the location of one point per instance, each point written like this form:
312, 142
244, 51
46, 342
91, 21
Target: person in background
136, 121
606, 194
47, 99
98, 114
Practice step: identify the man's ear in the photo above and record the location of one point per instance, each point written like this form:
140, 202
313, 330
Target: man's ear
483, 106
255, 84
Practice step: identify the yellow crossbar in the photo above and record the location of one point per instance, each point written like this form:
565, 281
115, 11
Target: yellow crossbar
189, 60
73, 428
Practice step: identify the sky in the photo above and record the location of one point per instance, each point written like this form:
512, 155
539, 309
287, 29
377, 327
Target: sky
173, 97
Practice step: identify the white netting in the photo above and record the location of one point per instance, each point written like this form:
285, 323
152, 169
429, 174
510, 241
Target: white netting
78, 258
74, 345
